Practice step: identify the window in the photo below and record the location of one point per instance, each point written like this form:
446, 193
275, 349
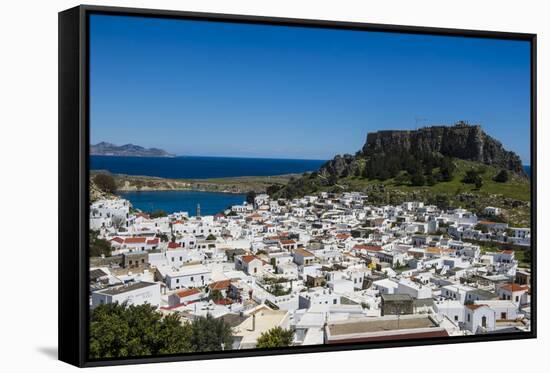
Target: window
468, 317
177, 281
172, 259
181, 258
192, 278
517, 298
334, 301
503, 315
456, 317
130, 262
484, 321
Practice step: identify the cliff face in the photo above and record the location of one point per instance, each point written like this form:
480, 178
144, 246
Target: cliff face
462, 141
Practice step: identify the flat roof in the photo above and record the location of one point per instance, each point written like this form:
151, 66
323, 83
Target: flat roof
126, 288
380, 324
396, 297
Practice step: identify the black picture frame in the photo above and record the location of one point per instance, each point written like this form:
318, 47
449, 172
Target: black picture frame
74, 180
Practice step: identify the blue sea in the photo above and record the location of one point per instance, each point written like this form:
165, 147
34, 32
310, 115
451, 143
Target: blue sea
201, 167
195, 168
183, 200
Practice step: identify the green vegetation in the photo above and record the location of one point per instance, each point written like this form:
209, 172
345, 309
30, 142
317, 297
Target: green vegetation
211, 237
473, 177
482, 227
124, 331
105, 182
250, 196
275, 337
163, 237
99, 246
243, 185
210, 334
521, 253
158, 214
417, 166
121, 331
502, 177
512, 196
216, 295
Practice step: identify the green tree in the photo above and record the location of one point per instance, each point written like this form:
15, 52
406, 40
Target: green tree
99, 246
472, 177
158, 214
479, 183
118, 330
105, 182
482, 227
163, 237
441, 200
210, 237
216, 295
446, 169
274, 188
332, 179
209, 334
275, 337
417, 179
250, 196
502, 177
401, 179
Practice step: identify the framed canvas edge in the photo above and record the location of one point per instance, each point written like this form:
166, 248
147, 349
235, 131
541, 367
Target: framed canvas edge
73, 196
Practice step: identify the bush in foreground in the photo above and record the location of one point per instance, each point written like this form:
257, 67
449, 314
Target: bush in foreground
119, 330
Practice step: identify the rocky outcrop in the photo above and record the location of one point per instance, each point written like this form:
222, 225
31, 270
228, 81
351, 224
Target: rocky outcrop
463, 141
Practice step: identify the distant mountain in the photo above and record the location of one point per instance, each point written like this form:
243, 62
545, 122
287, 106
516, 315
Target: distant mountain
128, 150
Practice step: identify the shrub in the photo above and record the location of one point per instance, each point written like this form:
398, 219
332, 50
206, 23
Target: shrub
105, 182
502, 177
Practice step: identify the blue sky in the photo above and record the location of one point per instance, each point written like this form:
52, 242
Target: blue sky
220, 89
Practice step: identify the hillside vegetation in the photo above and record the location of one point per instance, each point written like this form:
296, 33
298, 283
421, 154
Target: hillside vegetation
513, 196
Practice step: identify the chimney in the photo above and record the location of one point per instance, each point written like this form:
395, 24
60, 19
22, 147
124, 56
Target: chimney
253, 321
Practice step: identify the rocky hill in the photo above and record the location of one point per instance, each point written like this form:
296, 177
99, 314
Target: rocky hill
128, 150
462, 141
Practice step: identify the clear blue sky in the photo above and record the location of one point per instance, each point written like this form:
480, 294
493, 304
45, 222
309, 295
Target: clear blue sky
220, 89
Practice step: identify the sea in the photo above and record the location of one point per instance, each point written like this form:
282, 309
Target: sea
527, 170
195, 168
210, 203
201, 167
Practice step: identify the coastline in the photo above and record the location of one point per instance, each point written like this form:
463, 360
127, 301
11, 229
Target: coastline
230, 185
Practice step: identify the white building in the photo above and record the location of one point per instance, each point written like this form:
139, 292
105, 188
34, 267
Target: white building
188, 276
133, 294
